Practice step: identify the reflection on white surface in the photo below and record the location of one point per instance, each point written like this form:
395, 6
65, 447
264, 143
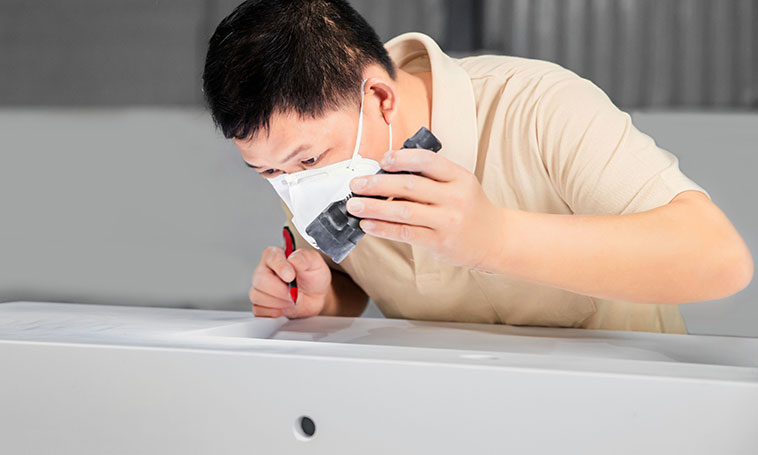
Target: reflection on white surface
236, 330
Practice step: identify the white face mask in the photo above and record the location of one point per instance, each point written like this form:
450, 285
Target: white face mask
307, 193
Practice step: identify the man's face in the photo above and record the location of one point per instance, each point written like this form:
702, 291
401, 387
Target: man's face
295, 144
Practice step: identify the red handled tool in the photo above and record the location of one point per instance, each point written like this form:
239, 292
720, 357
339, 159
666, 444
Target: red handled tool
289, 247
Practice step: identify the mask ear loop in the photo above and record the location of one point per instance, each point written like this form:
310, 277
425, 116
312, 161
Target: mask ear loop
390, 146
360, 126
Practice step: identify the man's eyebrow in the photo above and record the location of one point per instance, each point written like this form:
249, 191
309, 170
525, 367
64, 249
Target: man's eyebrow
297, 150
289, 157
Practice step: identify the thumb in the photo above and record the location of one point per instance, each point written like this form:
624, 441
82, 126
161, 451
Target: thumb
311, 272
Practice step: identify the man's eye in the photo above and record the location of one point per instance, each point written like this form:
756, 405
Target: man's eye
311, 161
268, 171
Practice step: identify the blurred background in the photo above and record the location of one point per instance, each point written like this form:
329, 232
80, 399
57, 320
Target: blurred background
115, 188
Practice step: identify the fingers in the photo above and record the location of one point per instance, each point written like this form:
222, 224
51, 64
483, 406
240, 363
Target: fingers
263, 312
267, 281
402, 186
303, 260
269, 292
307, 306
313, 275
405, 212
274, 259
418, 235
424, 162
262, 298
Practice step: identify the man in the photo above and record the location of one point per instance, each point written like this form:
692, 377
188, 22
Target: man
544, 207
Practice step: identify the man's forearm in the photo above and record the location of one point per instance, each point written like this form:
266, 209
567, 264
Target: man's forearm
345, 297
682, 252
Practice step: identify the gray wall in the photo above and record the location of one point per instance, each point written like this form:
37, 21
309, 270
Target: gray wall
644, 53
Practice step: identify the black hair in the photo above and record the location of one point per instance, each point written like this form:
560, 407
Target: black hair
301, 56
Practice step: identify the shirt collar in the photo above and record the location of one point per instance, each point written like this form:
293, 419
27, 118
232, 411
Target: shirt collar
453, 104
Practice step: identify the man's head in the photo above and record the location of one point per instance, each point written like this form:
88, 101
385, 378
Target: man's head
282, 78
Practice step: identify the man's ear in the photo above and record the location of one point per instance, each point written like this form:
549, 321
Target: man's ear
385, 92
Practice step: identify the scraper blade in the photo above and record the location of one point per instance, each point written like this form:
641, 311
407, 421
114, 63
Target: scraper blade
336, 231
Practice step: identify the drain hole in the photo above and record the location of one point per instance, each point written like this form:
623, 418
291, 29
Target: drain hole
305, 427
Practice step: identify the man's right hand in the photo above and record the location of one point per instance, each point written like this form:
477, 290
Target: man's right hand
270, 294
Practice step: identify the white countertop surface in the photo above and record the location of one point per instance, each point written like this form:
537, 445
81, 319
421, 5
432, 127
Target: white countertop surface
494, 346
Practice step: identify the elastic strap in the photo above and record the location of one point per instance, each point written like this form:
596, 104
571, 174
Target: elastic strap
360, 125
390, 146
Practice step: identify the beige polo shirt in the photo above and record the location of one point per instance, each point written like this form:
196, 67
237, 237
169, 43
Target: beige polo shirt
538, 138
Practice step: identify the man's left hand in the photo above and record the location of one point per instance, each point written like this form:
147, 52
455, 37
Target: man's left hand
440, 207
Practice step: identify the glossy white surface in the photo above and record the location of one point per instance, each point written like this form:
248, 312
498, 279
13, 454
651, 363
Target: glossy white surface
97, 379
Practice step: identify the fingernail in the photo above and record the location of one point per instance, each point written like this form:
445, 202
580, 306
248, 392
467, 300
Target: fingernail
289, 272
355, 205
358, 183
388, 158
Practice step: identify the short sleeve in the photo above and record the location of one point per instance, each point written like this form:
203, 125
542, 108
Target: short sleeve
301, 243
596, 159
